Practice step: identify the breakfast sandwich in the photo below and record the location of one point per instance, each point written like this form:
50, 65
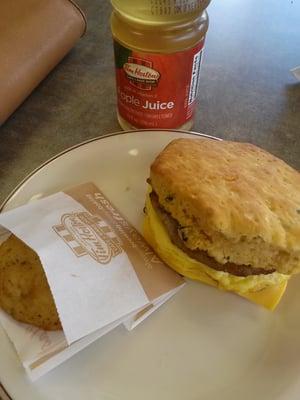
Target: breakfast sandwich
227, 214
24, 290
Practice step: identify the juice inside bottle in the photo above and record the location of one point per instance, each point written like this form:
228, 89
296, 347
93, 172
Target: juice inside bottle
160, 11
158, 51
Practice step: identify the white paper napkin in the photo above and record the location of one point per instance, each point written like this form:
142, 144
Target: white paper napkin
296, 72
88, 295
100, 271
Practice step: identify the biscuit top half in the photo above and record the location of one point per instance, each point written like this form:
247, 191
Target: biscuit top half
235, 189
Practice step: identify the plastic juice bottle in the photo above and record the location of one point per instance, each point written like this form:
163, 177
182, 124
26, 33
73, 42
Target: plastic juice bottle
158, 48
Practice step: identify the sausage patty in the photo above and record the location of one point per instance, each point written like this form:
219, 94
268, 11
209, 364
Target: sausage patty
174, 230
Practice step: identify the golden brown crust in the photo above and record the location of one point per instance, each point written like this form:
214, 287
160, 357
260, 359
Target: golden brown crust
24, 290
235, 194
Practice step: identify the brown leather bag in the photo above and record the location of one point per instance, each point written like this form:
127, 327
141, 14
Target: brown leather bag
34, 36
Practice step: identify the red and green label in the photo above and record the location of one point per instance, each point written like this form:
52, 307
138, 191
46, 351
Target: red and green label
157, 90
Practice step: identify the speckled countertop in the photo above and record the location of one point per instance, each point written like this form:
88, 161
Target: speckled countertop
247, 92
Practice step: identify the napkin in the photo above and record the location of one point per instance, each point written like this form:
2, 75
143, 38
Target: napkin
100, 271
296, 72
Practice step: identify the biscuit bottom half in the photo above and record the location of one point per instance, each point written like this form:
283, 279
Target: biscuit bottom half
265, 290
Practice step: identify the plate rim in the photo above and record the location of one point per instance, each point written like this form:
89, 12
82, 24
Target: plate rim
94, 139
3, 391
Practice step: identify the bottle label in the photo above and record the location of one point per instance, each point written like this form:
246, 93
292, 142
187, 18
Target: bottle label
173, 7
157, 90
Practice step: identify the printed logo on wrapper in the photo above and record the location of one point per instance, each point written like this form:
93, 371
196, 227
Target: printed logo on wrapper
88, 234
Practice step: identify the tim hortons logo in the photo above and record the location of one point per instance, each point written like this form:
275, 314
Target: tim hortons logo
140, 73
87, 234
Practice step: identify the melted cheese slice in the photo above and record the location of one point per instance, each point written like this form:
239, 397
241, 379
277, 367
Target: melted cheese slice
265, 290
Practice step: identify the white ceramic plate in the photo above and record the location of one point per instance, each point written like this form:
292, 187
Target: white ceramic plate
203, 344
